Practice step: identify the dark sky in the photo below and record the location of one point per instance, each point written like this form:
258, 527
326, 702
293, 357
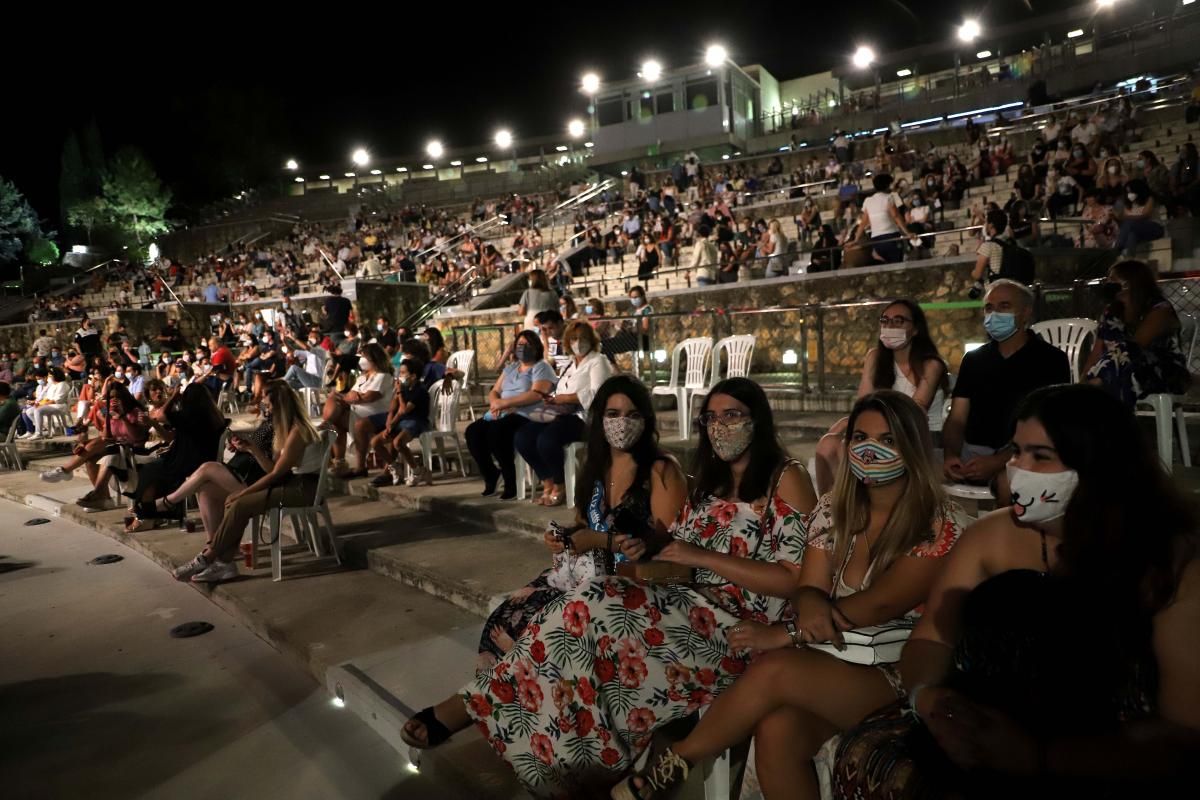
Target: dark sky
237, 91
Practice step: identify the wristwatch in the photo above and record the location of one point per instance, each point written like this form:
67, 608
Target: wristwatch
794, 633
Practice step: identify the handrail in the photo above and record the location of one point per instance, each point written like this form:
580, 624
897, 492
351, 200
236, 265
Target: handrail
570, 203
500, 219
444, 297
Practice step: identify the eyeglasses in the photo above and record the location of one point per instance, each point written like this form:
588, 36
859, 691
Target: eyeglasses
730, 416
894, 322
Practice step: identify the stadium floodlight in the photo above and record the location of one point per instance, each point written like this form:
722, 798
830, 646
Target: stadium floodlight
651, 70
969, 31
360, 157
863, 57
434, 149
715, 55
1075, 34
903, 73
292, 165
376, 172
299, 179
323, 177
481, 159
456, 163
984, 54
401, 169
349, 174
504, 139
576, 128
1105, 3
590, 83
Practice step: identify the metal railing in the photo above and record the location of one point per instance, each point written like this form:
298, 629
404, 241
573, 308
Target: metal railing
445, 296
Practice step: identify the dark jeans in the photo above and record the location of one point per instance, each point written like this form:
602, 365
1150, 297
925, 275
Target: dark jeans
541, 445
1135, 231
491, 443
888, 247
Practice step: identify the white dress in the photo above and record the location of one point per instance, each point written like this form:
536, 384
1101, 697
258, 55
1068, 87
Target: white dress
937, 409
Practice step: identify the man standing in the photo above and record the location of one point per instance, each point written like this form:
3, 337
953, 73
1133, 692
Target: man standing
87, 339
43, 346
171, 339
992, 382
336, 313
211, 293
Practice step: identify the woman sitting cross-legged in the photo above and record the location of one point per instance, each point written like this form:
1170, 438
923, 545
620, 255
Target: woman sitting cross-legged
291, 469
520, 389
875, 546
542, 442
1057, 656
905, 359
600, 669
626, 480
361, 412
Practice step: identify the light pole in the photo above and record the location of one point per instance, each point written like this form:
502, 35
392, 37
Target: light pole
590, 85
504, 141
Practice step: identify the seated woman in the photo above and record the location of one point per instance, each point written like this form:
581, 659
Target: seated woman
197, 425
875, 545
87, 400
123, 422
599, 670
1137, 219
51, 398
541, 442
362, 411
291, 467
521, 388
905, 359
625, 476
1002, 700
1137, 351
408, 418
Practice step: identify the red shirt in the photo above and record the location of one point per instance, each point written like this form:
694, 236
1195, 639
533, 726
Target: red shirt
221, 357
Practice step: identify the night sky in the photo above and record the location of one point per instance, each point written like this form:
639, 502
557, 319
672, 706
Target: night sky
235, 93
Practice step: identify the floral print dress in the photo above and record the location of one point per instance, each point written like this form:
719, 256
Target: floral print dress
1131, 371
577, 699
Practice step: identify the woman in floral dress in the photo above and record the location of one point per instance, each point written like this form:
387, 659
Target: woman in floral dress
579, 696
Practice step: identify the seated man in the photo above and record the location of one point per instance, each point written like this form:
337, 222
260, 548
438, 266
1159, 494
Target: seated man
993, 380
306, 363
550, 326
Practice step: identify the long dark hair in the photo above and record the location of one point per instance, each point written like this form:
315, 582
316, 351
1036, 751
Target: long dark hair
198, 411
922, 349
1126, 521
645, 450
713, 475
1144, 292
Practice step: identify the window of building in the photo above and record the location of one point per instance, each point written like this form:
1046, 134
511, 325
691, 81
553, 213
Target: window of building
702, 93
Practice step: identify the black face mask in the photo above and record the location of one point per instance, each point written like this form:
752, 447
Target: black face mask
1109, 290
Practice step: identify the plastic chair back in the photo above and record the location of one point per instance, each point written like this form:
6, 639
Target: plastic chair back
1069, 336
443, 406
461, 361
739, 351
697, 352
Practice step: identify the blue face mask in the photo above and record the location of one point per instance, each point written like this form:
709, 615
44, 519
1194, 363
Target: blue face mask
519, 351
1000, 325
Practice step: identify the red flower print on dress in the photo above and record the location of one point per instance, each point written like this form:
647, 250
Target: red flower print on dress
604, 733
564, 724
640, 720
611, 589
654, 614
733, 666
523, 671
724, 513
699, 698
576, 617
610, 757
533, 630
503, 691
703, 621
537, 651
630, 648
606, 670
480, 706
653, 637
631, 672
584, 722
563, 695
502, 669
498, 744
587, 693
604, 643
529, 695
542, 747
635, 597
678, 673
708, 531
706, 676
738, 547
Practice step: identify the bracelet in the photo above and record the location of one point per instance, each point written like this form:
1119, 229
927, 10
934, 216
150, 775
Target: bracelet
912, 699
793, 633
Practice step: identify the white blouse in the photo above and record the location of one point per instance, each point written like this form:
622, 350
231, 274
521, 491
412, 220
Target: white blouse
583, 379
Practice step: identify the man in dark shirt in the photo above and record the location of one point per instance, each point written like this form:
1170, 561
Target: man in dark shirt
336, 312
993, 380
171, 339
87, 339
385, 336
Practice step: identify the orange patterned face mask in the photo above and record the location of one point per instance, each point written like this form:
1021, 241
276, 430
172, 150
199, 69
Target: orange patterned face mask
730, 441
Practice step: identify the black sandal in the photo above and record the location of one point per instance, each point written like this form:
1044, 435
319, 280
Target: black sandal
435, 732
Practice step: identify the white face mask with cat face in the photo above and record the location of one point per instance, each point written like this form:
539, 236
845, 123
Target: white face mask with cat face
1041, 496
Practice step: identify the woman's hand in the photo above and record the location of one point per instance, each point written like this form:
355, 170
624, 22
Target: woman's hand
553, 543
233, 498
631, 547
750, 635
978, 737
496, 407
814, 618
677, 552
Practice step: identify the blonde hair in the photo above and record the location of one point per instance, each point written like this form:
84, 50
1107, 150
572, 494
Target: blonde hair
288, 414
774, 226
911, 521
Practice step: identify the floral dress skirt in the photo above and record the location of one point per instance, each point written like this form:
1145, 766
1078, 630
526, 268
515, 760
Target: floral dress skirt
600, 669
1131, 371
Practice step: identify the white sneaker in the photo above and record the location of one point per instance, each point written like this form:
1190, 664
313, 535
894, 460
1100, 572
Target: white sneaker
26, 435
197, 564
420, 475
216, 572
56, 474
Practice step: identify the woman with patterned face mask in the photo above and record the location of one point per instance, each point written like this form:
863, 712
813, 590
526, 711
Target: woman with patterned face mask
1007, 697
875, 546
624, 474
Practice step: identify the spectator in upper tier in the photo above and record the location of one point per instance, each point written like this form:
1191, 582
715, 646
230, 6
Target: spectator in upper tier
87, 339
704, 258
1137, 350
1137, 218
171, 339
882, 216
990, 254
993, 380
537, 298
1063, 193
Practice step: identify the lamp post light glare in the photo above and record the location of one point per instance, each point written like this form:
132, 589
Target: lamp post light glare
1075, 34
434, 149
969, 31
504, 139
715, 55
984, 54
576, 128
360, 157
651, 70
863, 57
1105, 3
590, 83
292, 165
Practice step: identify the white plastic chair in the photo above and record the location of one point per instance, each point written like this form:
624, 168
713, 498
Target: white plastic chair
571, 468
1166, 406
697, 352
739, 352
59, 418
462, 361
226, 402
305, 519
1067, 335
443, 419
9, 452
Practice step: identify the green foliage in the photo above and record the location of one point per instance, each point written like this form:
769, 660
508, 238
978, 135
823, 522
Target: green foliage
43, 252
18, 223
135, 198
88, 214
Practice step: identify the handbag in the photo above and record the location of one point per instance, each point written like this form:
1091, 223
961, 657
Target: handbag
571, 569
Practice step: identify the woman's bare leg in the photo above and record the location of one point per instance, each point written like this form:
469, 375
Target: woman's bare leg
403, 451
363, 431
209, 472
784, 746
451, 712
